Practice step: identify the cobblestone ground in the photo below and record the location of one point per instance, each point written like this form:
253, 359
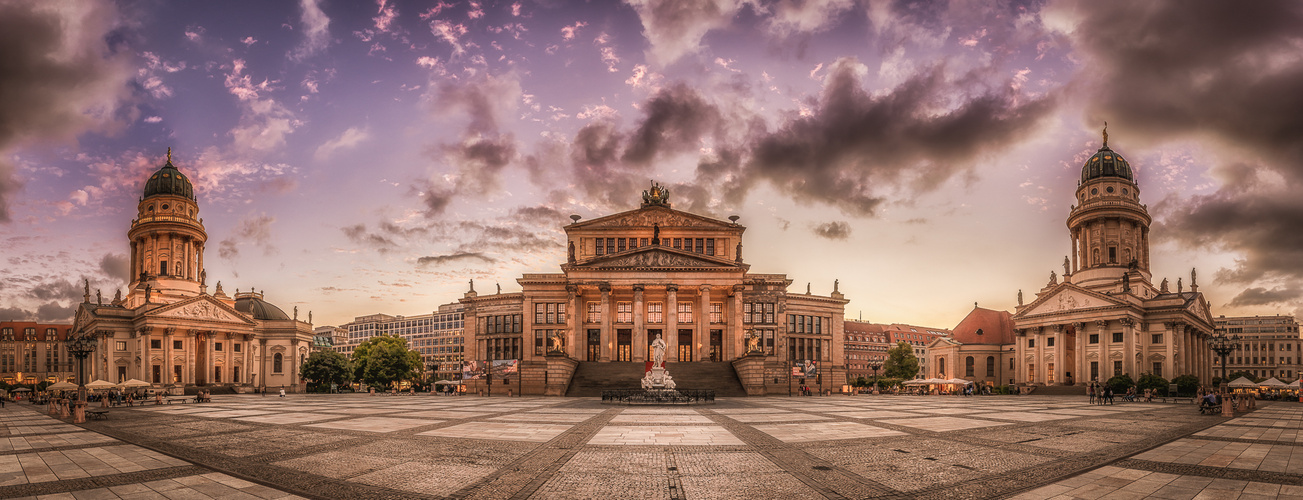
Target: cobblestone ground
382, 446
42, 457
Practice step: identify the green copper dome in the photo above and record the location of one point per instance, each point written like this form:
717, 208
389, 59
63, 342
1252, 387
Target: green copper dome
169, 180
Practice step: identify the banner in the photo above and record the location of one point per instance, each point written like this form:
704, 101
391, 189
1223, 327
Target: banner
805, 369
503, 368
472, 370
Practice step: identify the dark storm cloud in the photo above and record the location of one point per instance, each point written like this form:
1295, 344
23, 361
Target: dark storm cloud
540, 215
835, 230
483, 150
58, 77
439, 260
1259, 296
57, 290
856, 142
1227, 74
677, 118
54, 312
117, 266
15, 314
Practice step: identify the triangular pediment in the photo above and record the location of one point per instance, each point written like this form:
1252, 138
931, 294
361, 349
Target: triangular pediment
203, 308
1066, 297
1199, 308
652, 215
656, 257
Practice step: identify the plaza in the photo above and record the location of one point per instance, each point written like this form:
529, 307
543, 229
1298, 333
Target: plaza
384, 446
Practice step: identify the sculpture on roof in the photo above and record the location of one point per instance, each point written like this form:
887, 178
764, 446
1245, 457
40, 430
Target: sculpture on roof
472, 284
1066, 266
571, 257
657, 195
1162, 287
1126, 282
738, 252
1054, 278
1020, 296
835, 285
86, 295
1179, 287
117, 296
99, 298
656, 233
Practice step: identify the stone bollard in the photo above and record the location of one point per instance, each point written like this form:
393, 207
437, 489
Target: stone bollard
79, 413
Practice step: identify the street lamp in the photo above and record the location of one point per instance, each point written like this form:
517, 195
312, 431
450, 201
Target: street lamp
80, 348
1223, 345
875, 366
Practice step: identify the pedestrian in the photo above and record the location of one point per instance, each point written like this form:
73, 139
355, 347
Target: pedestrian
1090, 392
282, 391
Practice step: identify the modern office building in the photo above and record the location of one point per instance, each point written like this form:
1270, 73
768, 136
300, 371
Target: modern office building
1269, 346
438, 336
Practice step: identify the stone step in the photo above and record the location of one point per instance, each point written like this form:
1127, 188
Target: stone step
591, 378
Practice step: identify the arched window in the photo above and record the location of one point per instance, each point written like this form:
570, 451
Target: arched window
276, 362
968, 366
941, 366
990, 366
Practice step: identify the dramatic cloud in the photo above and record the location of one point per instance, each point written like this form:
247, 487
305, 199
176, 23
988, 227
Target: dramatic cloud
677, 119
439, 260
855, 143
57, 290
675, 27
59, 78
116, 266
479, 157
804, 16
836, 230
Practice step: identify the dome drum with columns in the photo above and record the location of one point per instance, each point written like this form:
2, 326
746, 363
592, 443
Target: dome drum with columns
168, 330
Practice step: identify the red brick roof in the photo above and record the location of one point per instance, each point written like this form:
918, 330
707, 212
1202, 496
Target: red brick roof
996, 327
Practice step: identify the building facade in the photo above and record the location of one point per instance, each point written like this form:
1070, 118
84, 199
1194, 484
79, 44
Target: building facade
438, 336
168, 330
325, 338
1106, 317
979, 349
866, 349
656, 272
33, 352
1269, 346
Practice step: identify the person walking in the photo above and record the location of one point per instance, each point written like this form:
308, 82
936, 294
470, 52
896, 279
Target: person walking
1090, 392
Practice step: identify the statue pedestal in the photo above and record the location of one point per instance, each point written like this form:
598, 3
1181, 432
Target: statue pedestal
1228, 410
79, 412
658, 378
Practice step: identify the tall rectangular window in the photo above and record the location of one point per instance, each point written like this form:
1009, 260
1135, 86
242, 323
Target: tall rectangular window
710, 246
624, 312
619, 244
716, 312
1117, 368
655, 312
1156, 338
678, 243
701, 246
746, 312
685, 312
610, 245
1117, 336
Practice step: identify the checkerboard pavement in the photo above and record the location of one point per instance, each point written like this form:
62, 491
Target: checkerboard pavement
364, 446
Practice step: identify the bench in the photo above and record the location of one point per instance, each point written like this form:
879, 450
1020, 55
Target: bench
97, 414
1210, 409
182, 400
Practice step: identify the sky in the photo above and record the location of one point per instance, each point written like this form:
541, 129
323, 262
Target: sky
360, 157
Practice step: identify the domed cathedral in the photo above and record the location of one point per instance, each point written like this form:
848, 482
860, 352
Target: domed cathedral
168, 330
654, 273
1105, 317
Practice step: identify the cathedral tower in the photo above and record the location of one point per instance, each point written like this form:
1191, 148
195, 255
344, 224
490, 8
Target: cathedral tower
1109, 226
167, 239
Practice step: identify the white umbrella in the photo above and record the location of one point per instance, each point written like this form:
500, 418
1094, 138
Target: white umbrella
62, 386
1241, 383
133, 383
1293, 385
959, 381
447, 382
915, 382
100, 384
1272, 383
22, 389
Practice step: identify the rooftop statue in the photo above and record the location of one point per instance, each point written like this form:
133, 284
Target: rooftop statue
657, 195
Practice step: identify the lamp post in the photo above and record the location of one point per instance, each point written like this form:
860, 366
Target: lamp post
1223, 345
875, 366
80, 348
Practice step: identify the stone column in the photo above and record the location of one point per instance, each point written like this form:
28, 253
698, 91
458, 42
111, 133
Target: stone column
608, 310
294, 365
247, 353
229, 368
1129, 348
1040, 356
200, 258
1105, 351
1060, 352
574, 322
146, 366
639, 340
703, 338
671, 323
263, 369
1019, 349
735, 343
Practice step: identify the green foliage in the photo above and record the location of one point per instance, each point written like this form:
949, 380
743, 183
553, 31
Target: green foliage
1120, 383
860, 382
381, 361
1153, 382
327, 367
901, 362
1186, 384
886, 382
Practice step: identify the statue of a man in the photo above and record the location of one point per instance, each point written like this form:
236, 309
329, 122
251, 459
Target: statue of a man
656, 233
753, 342
556, 340
738, 252
658, 352
571, 258
99, 298
472, 284
1066, 265
1054, 279
499, 288
296, 313
1020, 296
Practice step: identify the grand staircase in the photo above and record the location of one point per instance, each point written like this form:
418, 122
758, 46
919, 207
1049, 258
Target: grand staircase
591, 378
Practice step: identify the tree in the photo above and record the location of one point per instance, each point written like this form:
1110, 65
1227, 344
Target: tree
1186, 384
1152, 382
327, 367
1120, 383
901, 362
381, 361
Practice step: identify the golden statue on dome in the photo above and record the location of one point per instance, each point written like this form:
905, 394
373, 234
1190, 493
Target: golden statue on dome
657, 195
